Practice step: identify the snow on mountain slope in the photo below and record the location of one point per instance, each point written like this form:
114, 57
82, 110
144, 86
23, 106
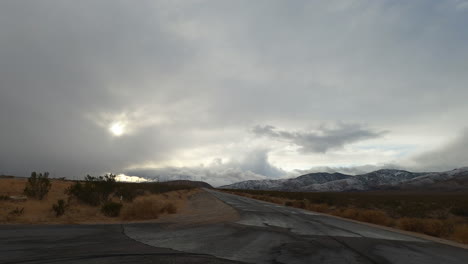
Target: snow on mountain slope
293, 184
449, 180
366, 181
376, 180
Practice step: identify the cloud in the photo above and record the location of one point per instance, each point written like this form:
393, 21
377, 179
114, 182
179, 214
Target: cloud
181, 76
352, 170
321, 140
253, 166
452, 155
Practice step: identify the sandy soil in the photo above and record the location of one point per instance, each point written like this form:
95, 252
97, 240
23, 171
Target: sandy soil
201, 208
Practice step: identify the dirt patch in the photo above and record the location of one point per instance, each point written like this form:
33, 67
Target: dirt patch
202, 208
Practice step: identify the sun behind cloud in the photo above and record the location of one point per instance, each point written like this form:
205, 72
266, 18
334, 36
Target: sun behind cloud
117, 129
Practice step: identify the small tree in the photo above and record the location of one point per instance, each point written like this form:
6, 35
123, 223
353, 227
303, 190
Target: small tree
38, 185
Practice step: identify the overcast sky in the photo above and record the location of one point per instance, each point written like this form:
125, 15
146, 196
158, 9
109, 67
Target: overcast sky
224, 91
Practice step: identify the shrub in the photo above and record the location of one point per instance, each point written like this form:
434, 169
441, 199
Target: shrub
318, 207
169, 208
38, 185
460, 233
431, 227
111, 209
143, 209
374, 216
126, 193
369, 216
461, 210
59, 208
17, 211
94, 190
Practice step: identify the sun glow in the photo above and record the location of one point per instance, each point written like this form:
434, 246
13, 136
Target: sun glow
117, 129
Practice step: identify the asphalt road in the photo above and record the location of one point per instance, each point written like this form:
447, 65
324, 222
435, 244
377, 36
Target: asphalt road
264, 233
270, 233
35, 244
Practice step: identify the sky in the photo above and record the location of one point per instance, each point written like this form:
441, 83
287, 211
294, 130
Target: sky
225, 91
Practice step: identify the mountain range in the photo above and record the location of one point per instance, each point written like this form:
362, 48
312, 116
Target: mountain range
385, 179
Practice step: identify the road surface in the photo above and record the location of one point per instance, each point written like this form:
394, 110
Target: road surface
270, 233
261, 233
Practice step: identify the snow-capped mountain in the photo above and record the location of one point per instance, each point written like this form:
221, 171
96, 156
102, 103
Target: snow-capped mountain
376, 180
364, 182
453, 180
312, 179
293, 184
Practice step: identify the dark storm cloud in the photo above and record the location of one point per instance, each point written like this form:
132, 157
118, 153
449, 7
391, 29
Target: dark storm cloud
321, 140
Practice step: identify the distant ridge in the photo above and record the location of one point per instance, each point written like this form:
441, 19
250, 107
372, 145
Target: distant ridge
385, 179
198, 184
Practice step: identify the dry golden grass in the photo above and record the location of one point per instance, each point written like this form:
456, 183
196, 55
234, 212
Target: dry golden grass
40, 212
460, 233
152, 206
321, 208
432, 227
364, 215
35, 211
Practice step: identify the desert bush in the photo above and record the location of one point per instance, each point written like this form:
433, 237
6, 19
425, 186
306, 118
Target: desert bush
374, 216
38, 185
318, 207
350, 213
59, 207
433, 227
146, 209
111, 209
94, 190
17, 211
169, 208
127, 193
461, 210
460, 233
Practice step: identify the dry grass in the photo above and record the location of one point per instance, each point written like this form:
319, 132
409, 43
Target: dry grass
152, 206
40, 212
364, 215
432, 227
460, 233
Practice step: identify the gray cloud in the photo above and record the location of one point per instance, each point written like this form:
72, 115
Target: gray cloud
450, 156
191, 75
321, 140
253, 166
353, 170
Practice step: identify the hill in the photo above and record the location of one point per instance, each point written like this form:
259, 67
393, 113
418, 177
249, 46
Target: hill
385, 179
197, 184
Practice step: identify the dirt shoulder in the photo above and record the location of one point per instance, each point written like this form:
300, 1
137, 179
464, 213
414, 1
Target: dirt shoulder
202, 208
